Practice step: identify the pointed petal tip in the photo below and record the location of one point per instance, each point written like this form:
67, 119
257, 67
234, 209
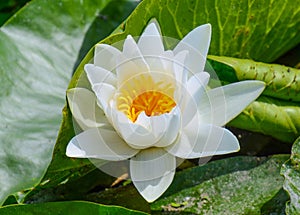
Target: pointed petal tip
73, 151
129, 37
154, 20
152, 171
261, 84
87, 66
150, 42
204, 28
152, 192
152, 29
255, 85
207, 26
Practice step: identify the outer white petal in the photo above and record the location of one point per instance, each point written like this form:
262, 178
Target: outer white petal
150, 42
105, 56
169, 60
222, 104
131, 52
152, 171
197, 43
104, 93
196, 88
98, 75
84, 108
197, 81
207, 140
101, 144
181, 74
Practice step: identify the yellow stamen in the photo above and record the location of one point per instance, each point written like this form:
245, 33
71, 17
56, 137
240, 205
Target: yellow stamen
152, 102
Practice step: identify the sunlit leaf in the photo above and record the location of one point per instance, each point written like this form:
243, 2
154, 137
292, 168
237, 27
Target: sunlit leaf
40, 46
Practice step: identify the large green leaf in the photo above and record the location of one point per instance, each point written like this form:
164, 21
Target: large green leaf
261, 30
247, 191
39, 47
291, 172
66, 208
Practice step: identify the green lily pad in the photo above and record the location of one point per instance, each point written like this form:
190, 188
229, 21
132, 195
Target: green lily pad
240, 192
40, 46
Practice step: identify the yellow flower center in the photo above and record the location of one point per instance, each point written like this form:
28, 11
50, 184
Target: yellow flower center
152, 102
144, 94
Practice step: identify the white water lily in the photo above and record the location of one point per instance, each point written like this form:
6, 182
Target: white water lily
146, 108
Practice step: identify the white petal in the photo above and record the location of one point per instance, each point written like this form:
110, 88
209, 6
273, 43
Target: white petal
84, 108
222, 104
158, 131
180, 73
152, 171
105, 56
196, 87
207, 140
167, 126
197, 81
101, 144
131, 52
104, 93
98, 75
156, 63
197, 43
179, 70
126, 70
168, 61
199, 38
150, 42
131, 62
137, 136
161, 63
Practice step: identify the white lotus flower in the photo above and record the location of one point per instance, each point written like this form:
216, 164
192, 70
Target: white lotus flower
154, 111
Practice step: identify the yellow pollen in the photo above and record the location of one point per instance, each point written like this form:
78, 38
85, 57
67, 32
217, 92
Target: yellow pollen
152, 102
